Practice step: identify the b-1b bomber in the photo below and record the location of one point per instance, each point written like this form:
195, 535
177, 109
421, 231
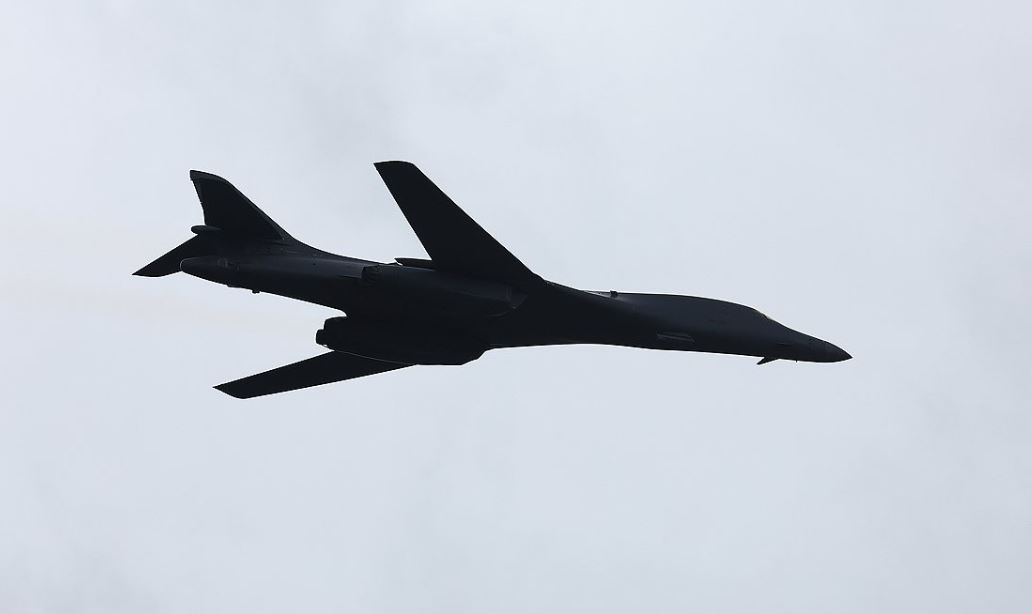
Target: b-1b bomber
471, 295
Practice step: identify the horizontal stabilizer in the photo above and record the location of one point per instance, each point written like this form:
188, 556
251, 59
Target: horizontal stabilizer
323, 369
454, 241
169, 263
228, 210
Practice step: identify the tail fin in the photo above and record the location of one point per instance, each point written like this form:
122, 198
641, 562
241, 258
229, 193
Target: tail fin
227, 212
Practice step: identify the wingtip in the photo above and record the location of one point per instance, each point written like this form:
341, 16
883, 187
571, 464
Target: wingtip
151, 271
392, 163
196, 175
227, 389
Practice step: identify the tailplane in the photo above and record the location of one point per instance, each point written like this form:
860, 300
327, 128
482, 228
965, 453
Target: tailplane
169, 263
228, 214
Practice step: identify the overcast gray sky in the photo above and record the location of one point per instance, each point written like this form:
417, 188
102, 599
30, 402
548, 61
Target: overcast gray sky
858, 170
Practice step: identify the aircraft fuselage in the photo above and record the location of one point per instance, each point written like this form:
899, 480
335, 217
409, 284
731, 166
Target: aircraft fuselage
420, 302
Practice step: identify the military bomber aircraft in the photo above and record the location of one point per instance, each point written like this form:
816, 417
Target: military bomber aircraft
470, 296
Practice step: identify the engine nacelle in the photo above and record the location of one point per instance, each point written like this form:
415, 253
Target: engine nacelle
430, 291
421, 344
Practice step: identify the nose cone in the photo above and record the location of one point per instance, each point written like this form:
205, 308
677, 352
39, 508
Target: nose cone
828, 352
837, 354
812, 349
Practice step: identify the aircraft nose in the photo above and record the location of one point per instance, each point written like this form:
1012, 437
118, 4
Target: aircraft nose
818, 350
834, 353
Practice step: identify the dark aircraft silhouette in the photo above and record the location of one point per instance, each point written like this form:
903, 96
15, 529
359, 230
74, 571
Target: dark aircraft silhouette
471, 296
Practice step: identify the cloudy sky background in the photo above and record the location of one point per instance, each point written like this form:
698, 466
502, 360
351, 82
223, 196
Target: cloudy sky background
857, 170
